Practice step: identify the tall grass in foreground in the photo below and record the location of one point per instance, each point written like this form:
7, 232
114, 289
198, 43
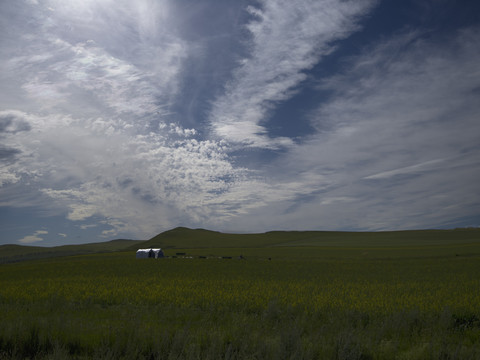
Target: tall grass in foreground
113, 306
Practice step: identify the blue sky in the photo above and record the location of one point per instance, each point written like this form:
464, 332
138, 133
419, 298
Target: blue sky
122, 119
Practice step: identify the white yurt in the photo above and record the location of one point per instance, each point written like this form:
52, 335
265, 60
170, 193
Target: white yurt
150, 253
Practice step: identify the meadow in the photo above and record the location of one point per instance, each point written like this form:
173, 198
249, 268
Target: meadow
307, 302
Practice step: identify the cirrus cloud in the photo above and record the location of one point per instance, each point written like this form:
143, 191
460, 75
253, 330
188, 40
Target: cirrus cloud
128, 118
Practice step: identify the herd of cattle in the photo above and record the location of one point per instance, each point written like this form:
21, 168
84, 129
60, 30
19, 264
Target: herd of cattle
159, 254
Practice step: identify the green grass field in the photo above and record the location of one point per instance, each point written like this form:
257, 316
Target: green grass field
360, 299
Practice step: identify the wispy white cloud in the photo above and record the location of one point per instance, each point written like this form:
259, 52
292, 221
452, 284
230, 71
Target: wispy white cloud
413, 169
140, 183
145, 181
35, 237
287, 38
91, 82
81, 73
398, 137
85, 147
87, 226
88, 130
94, 58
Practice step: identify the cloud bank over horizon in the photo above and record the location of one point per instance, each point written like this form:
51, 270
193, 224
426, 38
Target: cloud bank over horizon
121, 119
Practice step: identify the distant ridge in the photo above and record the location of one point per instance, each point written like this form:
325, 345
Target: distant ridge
185, 238
14, 253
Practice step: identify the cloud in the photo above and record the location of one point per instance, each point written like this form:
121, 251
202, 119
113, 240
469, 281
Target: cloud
89, 106
139, 183
12, 122
91, 124
85, 226
7, 177
286, 39
413, 169
83, 72
398, 136
139, 180
7, 154
94, 58
29, 239
87, 92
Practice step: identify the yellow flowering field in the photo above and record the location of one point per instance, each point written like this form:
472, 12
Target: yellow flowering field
84, 305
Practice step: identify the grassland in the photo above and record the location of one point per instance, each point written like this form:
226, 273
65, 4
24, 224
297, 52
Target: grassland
399, 301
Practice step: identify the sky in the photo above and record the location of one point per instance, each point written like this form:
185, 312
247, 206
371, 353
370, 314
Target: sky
123, 119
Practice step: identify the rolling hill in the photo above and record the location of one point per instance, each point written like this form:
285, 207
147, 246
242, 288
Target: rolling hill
185, 238
14, 253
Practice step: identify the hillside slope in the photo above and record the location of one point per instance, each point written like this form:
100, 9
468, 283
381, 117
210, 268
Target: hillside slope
184, 238
14, 253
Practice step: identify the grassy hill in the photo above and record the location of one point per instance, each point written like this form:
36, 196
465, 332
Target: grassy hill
184, 238
14, 253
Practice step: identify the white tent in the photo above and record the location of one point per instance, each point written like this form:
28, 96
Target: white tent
149, 253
